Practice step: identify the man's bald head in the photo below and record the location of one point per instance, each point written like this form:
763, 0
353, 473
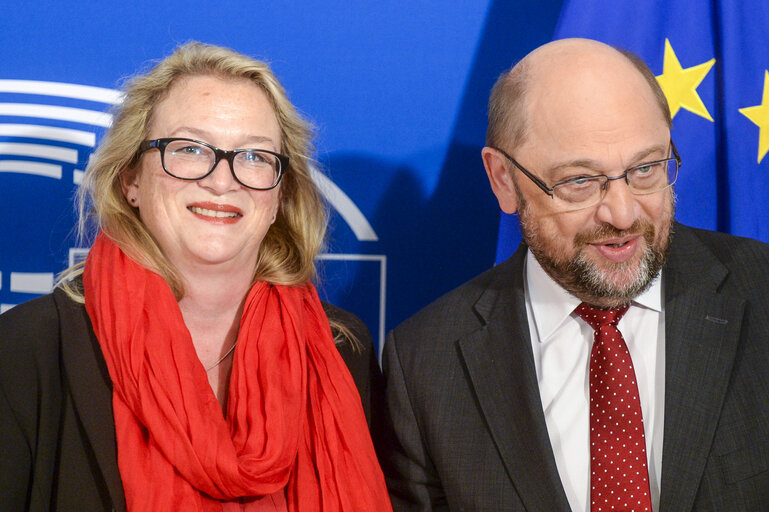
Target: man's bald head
552, 69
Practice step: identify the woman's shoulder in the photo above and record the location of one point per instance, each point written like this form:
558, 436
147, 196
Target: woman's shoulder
352, 337
29, 322
357, 349
30, 333
349, 320
30, 368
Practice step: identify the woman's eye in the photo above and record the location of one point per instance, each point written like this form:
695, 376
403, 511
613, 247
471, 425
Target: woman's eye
189, 150
254, 157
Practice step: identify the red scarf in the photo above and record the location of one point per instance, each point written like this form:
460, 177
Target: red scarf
294, 416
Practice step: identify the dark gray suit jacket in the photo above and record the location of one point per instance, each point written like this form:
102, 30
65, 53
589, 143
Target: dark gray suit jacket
57, 433
464, 427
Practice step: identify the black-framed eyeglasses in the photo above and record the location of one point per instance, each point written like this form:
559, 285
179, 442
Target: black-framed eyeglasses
586, 191
190, 159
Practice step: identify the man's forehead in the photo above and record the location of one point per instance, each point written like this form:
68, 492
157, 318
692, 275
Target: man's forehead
590, 93
581, 72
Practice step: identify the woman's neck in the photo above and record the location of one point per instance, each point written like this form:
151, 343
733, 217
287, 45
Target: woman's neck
211, 307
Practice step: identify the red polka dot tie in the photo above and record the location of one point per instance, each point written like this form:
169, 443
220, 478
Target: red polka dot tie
619, 478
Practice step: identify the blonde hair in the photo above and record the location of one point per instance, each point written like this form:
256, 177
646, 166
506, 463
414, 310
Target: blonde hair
287, 253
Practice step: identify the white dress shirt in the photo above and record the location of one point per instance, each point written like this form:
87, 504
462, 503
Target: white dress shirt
561, 342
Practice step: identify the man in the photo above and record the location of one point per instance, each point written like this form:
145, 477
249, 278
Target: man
502, 394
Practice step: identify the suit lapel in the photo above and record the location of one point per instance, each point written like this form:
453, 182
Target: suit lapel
500, 364
701, 335
91, 390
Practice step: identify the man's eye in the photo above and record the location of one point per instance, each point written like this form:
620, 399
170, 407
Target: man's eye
585, 181
648, 170
645, 169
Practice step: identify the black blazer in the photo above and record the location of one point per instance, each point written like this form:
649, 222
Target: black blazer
57, 433
464, 427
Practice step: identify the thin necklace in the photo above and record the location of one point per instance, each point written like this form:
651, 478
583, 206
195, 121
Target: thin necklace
222, 358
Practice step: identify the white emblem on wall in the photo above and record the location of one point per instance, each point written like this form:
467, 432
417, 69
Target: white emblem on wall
40, 153
33, 112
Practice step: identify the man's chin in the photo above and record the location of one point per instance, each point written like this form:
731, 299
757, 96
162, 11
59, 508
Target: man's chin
612, 274
620, 282
610, 284
605, 283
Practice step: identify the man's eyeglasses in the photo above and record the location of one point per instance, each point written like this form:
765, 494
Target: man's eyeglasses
586, 191
189, 159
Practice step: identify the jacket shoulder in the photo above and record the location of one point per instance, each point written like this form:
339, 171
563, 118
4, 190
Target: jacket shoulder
745, 261
29, 335
465, 308
733, 250
34, 316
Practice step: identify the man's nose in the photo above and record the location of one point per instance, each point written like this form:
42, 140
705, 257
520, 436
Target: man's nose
619, 206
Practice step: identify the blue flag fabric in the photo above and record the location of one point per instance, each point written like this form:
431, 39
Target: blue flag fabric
712, 61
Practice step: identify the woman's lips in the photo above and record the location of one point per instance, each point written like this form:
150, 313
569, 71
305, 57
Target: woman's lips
214, 212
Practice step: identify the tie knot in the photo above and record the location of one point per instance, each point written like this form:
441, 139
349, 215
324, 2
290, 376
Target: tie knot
598, 317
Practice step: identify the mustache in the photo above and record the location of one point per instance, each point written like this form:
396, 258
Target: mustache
639, 227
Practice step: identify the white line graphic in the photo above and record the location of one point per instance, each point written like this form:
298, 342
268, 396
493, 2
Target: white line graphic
34, 131
77, 255
25, 167
29, 282
39, 151
75, 91
382, 259
346, 208
76, 115
5, 307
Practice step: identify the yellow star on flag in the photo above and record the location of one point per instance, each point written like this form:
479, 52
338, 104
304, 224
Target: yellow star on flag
760, 117
680, 85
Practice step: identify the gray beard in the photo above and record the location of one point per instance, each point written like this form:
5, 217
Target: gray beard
584, 279
590, 281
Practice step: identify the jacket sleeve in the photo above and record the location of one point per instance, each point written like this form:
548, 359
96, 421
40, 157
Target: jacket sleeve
412, 480
16, 461
30, 404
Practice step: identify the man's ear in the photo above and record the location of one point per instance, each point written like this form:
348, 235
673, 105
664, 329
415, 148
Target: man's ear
500, 179
129, 182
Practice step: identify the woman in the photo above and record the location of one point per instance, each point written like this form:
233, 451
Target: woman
192, 366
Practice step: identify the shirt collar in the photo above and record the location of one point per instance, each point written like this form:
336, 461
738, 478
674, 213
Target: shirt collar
551, 305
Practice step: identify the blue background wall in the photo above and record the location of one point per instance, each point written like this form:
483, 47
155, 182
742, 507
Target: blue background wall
396, 89
398, 92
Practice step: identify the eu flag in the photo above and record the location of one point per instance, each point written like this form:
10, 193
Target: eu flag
712, 61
